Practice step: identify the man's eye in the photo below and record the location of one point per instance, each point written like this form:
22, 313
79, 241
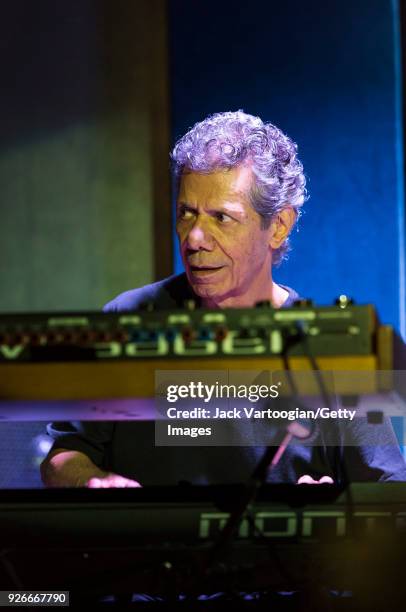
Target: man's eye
185, 213
223, 218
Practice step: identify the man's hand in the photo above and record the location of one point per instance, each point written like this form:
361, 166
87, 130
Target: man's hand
306, 479
66, 468
110, 481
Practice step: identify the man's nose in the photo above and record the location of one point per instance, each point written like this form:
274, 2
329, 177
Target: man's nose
199, 236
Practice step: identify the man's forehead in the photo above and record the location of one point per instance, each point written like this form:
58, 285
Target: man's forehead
232, 184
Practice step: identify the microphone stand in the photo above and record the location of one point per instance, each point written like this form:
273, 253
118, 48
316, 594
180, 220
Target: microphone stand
266, 464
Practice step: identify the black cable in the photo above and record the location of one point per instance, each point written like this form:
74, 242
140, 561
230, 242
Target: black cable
302, 338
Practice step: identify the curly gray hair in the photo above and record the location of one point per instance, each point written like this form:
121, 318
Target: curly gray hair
225, 140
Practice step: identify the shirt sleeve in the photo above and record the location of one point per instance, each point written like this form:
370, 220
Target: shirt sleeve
371, 452
92, 438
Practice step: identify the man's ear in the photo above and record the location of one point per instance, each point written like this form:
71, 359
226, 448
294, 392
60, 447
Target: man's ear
281, 226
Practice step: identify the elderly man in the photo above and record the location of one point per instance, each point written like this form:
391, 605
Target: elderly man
240, 188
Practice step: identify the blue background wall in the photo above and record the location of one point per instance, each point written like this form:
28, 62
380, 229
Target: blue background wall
328, 74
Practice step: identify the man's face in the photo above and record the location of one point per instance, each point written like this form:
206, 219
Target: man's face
226, 254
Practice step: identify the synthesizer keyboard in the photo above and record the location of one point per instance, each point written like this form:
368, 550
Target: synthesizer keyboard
159, 540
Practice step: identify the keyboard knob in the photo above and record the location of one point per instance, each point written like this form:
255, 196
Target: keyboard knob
343, 301
189, 304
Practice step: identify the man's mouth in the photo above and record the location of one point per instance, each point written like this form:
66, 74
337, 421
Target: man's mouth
204, 270
198, 268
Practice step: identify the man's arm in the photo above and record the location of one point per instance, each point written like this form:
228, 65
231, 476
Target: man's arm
69, 468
